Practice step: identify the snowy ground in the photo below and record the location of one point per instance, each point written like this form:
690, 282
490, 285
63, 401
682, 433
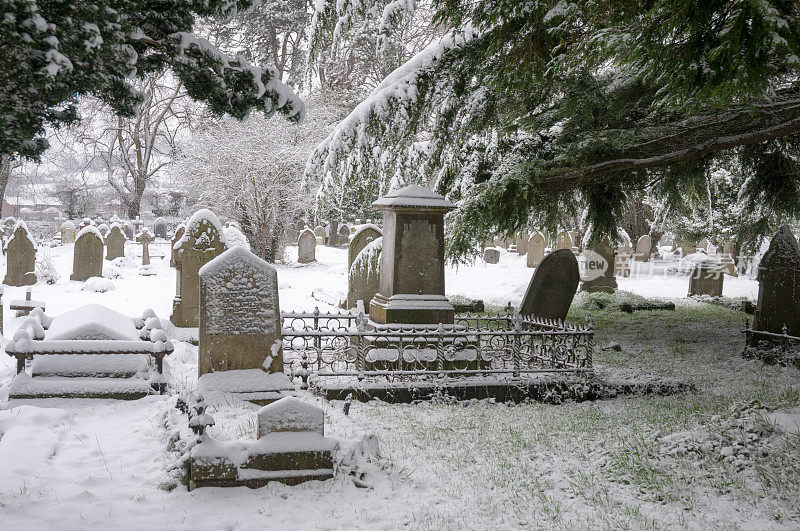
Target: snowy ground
725, 456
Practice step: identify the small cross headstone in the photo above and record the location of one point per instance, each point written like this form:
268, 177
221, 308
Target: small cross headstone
145, 238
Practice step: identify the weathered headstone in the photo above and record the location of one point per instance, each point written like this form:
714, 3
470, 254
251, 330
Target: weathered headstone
344, 236
306, 247
599, 270
235, 237
491, 255
364, 274
703, 244
687, 248
564, 240
362, 238
320, 234
68, 231
536, 246
87, 257
333, 233
103, 228
21, 257
552, 287
160, 228
412, 260
115, 242
779, 287
145, 238
8, 226
643, 248
201, 242
706, 279
622, 261
240, 318
522, 243
127, 228
175, 239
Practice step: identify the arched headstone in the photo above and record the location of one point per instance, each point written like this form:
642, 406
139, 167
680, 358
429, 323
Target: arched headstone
160, 228
536, 246
362, 238
364, 274
68, 232
552, 288
564, 240
202, 241
779, 286
643, 248
522, 243
306, 247
115, 242
87, 257
21, 257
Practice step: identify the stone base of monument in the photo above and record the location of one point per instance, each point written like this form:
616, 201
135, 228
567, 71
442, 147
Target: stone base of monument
291, 448
251, 385
411, 309
546, 388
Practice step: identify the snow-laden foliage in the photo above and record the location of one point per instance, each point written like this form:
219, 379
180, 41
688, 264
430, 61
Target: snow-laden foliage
55, 51
528, 112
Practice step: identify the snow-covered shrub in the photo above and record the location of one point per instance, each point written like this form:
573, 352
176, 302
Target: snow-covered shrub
46, 270
98, 284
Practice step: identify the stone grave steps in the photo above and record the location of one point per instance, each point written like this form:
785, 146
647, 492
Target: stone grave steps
64, 387
90, 365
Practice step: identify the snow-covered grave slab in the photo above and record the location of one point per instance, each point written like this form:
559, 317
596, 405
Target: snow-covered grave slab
89, 352
291, 447
252, 385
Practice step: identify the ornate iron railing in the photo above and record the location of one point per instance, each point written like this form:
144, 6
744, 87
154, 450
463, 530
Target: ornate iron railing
344, 344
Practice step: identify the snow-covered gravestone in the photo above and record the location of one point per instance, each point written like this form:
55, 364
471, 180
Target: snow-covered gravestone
491, 255
564, 240
103, 228
344, 235
202, 241
306, 247
160, 228
240, 325
127, 228
536, 245
362, 238
87, 258
173, 243
145, 238
115, 242
21, 257
364, 274
235, 238
68, 231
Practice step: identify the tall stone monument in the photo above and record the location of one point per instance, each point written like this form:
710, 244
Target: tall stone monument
21, 257
87, 257
240, 318
115, 242
412, 261
202, 241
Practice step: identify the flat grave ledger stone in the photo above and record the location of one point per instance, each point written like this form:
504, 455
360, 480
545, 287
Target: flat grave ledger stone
553, 286
87, 258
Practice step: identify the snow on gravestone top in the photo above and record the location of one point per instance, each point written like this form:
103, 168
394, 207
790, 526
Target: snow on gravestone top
235, 238
240, 294
414, 196
68, 225
90, 229
21, 225
92, 321
194, 225
290, 414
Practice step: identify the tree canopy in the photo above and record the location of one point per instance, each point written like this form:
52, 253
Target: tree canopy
533, 113
56, 51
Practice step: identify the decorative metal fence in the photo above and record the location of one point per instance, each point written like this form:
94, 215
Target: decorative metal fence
344, 344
